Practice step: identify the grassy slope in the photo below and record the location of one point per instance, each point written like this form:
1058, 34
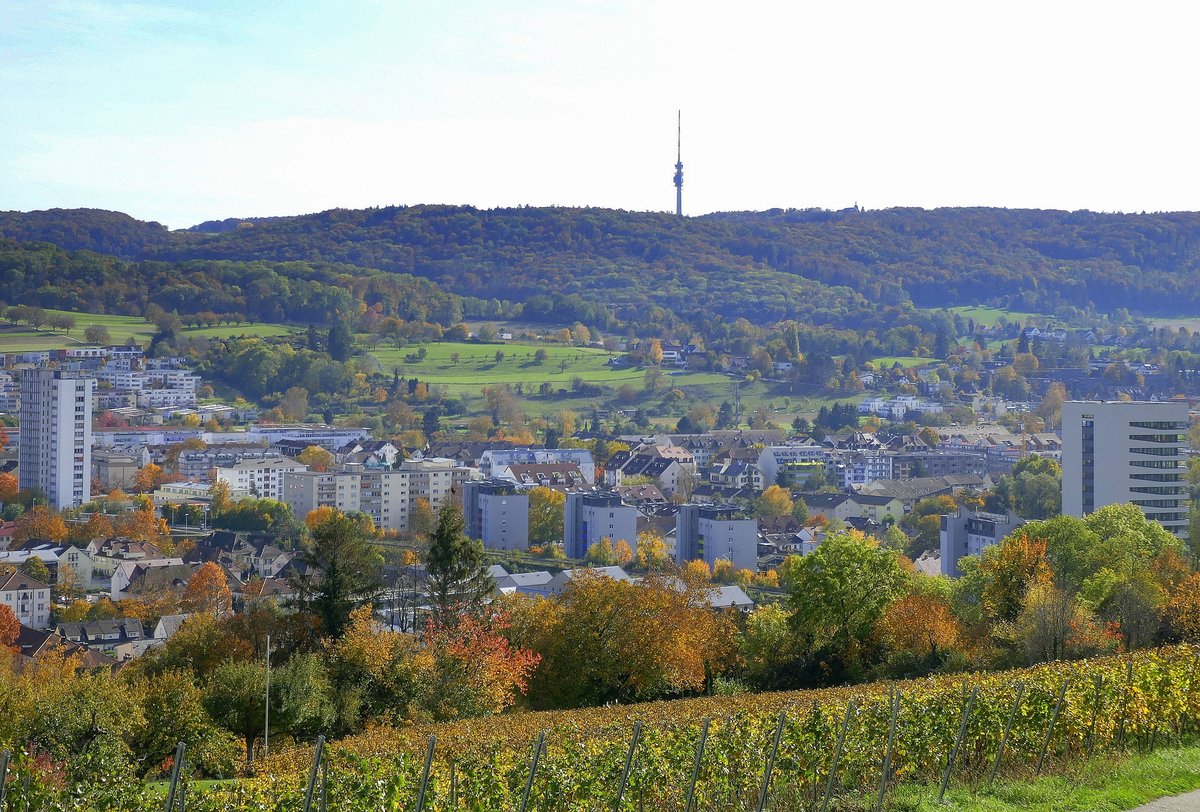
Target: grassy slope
988, 316
1104, 785
888, 361
18, 338
477, 367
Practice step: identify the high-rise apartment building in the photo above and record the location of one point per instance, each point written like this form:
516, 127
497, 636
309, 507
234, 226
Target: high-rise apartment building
496, 513
388, 496
56, 436
1119, 452
707, 533
589, 517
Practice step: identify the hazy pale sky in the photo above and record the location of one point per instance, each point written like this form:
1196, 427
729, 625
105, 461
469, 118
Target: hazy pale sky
187, 111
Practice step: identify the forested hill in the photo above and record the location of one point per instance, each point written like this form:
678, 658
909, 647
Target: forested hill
819, 265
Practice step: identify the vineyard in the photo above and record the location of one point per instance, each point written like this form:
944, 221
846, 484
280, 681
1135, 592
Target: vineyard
842, 748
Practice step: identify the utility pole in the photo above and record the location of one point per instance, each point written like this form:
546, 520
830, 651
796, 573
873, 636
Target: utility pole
267, 705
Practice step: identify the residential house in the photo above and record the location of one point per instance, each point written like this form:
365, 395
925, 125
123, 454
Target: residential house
109, 553
167, 625
32, 644
133, 577
102, 635
671, 471
526, 583
28, 598
557, 475
740, 475
559, 582
911, 491
493, 461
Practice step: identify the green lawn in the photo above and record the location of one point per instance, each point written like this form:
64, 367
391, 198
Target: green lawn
1103, 785
19, 337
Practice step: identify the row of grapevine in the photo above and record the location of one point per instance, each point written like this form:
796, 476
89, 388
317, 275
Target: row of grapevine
1052, 714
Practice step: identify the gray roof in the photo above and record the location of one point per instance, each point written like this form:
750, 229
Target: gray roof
730, 596
616, 573
169, 625
83, 632
524, 579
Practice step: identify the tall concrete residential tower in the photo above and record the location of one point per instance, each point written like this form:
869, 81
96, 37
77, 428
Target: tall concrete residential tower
56, 436
1118, 452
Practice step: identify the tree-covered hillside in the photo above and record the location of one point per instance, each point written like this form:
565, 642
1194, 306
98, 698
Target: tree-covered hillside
820, 266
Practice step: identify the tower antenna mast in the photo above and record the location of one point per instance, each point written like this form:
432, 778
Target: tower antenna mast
679, 164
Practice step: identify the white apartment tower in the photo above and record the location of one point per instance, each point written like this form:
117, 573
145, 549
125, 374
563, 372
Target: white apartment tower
56, 436
1119, 452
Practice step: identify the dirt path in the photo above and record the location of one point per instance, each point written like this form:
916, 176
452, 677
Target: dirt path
1188, 802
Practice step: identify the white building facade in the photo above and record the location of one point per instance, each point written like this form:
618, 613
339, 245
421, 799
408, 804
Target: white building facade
1118, 452
55, 453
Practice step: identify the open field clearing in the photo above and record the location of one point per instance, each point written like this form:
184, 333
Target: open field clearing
988, 316
466, 366
22, 338
1192, 323
888, 361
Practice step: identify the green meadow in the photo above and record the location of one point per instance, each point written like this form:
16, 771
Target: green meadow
988, 316
469, 366
889, 361
22, 338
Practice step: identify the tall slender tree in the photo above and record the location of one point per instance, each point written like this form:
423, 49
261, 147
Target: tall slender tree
459, 582
345, 571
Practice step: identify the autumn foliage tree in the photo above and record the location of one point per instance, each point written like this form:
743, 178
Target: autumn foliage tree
316, 458
421, 521
10, 628
40, 522
208, 591
921, 626
9, 488
148, 478
318, 516
98, 525
546, 507
476, 670
641, 641
142, 525
1008, 570
1183, 610
774, 501
652, 551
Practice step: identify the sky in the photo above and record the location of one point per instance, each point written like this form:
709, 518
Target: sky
182, 112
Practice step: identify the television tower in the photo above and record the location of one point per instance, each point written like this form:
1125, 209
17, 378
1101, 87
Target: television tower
679, 166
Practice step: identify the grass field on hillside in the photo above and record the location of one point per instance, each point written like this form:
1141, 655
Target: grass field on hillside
1105, 785
988, 316
22, 338
1192, 323
888, 361
477, 367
